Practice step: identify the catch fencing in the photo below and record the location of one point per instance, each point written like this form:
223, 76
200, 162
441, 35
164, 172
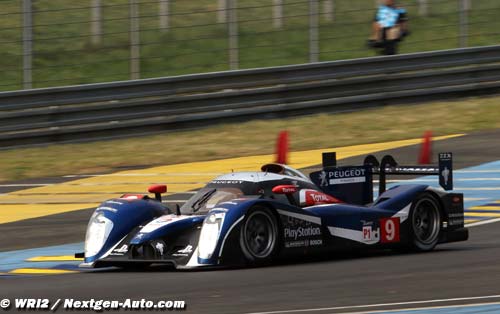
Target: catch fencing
46, 43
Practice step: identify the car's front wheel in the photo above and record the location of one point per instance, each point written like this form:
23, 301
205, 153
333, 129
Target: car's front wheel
259, 235
425, 222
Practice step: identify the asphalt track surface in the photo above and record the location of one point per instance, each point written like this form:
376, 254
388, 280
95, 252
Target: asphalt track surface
465, 269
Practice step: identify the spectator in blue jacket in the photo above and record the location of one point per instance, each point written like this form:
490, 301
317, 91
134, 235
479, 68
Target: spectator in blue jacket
389, 27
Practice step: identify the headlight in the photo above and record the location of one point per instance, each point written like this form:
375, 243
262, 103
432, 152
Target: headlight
97, 233
210, 234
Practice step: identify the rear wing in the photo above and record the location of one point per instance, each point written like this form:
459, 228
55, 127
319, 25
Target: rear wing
354, 184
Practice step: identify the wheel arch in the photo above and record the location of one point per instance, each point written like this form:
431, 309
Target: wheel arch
438, 197
230, 251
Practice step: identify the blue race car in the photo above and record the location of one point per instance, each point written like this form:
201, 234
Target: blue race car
254, 218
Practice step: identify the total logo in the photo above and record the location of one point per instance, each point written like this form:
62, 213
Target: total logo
302, 232
319, 197
311, 197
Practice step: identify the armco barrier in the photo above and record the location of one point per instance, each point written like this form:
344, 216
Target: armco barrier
98, 111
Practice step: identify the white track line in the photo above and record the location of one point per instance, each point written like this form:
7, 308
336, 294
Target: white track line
477, 171
424, 308
322, 309
483, 222
478, 189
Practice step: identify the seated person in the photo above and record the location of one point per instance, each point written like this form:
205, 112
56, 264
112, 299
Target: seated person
389, 27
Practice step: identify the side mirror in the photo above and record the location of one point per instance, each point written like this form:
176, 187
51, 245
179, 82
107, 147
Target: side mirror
285, 189
158, 190
288, 190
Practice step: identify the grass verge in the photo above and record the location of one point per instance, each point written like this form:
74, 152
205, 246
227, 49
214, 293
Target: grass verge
253, 138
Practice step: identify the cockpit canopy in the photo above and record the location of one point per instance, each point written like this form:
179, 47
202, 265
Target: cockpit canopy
284, 170
245, 184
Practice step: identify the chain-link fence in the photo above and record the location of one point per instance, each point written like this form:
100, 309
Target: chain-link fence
61, 42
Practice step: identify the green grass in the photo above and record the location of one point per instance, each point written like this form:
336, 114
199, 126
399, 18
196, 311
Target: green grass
64, 54
253, 138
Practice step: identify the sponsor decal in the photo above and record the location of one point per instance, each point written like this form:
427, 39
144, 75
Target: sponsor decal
295, 244
303, 243
319, 197
161, 221
184, 252
120, 251
445, 171
187, 249
348, 180
227, 181
311, 197
106, 208
341, 175
132, 197
113, 202
291, 219
352, 175
446, 175
370, 234
315, 242
389, 230
322, 177
229, 203
301, 232
455, 219
160, 247
220, 209
287, 190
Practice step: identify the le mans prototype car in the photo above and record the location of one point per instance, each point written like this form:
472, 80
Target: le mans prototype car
254, 218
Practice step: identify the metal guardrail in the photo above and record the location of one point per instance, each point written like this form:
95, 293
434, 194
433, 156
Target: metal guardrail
117, 109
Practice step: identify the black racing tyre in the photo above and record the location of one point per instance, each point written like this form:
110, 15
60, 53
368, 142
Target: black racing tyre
259, 235
425, 222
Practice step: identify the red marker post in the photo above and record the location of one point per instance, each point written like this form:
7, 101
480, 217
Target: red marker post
282, 147
424, 157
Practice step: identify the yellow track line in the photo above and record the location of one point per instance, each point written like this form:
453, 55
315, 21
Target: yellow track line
62, 258
485, 208
471, 214
41, 271
9, 213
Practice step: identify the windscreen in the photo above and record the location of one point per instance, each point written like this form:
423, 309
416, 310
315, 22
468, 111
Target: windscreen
208, 198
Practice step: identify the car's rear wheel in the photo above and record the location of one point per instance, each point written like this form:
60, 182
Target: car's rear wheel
425, 222
259, 238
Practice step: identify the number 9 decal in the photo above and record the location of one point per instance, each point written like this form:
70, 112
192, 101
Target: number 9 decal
389, 228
